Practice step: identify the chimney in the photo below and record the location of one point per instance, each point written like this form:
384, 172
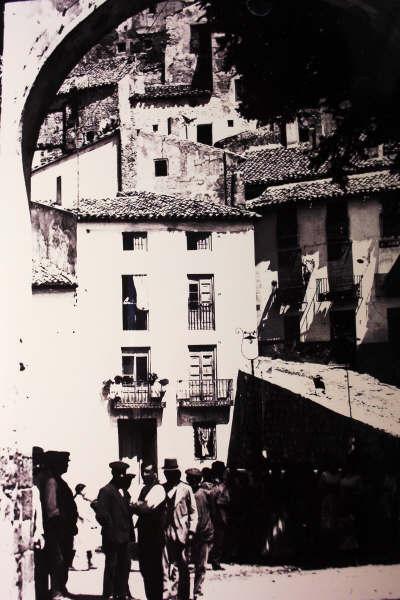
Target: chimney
292, 133
128, 147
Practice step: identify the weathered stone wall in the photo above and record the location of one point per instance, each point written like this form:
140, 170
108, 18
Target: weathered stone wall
54, 236
194, 169
52, 131
372, 261
16, 554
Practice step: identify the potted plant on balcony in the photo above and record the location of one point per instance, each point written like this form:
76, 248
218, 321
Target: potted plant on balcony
156, 386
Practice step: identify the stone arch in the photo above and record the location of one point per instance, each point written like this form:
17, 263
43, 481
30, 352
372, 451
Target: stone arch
30, 79
73, 37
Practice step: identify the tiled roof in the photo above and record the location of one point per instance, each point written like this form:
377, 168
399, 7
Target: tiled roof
162, 91
261, 136
105, 71
148, 206
278, 165
46, 274
368, 183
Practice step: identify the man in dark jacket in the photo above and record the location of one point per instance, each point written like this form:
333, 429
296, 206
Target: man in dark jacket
150, 507
203, 538
59, 519
114, 515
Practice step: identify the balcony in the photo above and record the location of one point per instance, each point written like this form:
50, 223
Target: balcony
135, 395
201, 315
346, 290
202, 393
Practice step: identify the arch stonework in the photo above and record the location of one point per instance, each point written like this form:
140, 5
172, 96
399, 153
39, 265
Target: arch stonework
41, 44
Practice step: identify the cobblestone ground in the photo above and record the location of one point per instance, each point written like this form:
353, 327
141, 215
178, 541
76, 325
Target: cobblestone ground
371, 582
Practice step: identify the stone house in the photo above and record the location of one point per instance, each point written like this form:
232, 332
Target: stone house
178, 85
153, 301
326, 259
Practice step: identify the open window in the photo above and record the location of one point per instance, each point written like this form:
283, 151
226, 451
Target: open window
201, 302
135, 302
161, 167
136, 363
205, 134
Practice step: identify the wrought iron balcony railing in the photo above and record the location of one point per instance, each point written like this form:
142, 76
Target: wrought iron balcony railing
201, 315
348, 289
205, 392
136, 395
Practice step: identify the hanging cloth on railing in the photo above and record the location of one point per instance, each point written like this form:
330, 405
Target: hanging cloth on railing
142, 298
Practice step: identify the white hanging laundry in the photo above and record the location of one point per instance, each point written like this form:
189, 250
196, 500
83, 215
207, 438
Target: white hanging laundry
142, 298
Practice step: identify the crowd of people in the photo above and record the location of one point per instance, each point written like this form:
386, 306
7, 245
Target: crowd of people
268, 514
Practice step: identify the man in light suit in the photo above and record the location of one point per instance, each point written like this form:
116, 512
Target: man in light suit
179, 528
115, 517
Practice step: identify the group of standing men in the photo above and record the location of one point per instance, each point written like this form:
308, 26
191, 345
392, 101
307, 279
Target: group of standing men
176, 522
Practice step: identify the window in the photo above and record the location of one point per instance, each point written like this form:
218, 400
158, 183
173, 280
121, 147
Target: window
198, 240
202, 363
155, 127
304, 134
58, 190
238, 89
135, 363
135, 303
169, 125
205, 441
390, 217
204, 134
201, 301
161, 167
134, 240
230, 122
90, 136
121, 47
286, 227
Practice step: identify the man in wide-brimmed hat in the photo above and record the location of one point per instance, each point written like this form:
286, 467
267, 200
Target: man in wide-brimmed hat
180, 526
115, 517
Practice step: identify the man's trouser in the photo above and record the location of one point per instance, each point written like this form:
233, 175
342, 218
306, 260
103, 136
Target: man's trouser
176, 577
200, 552
116, 569
41, 575
150, 564
59, 550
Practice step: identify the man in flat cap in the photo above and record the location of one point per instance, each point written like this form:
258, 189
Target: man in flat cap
179, 528
203, 538
150, 508
59, 517
115, 517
